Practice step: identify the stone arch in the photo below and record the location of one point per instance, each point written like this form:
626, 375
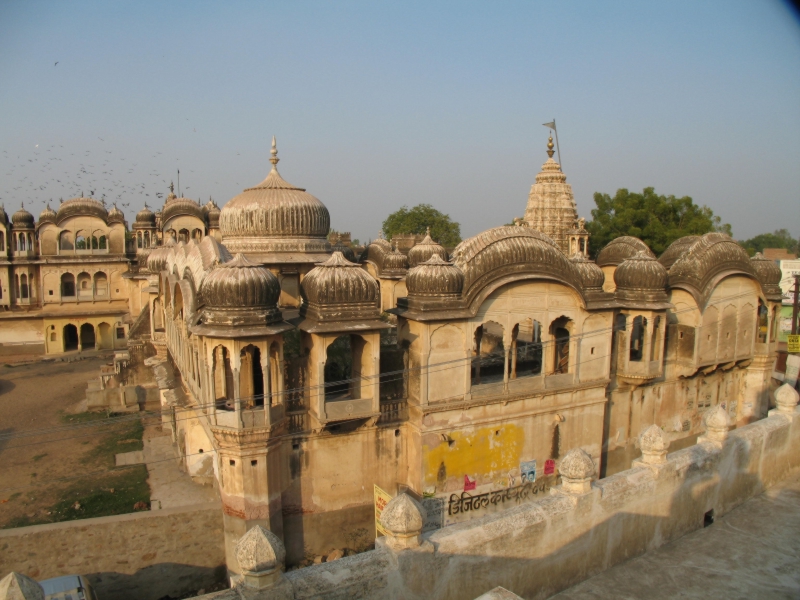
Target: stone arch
637, 338
66, 241
526, 350
251, 376
70, 337
223, 378
104, 333
100, 284
490, 363
87, 336
446, 363
68, 285
561, 333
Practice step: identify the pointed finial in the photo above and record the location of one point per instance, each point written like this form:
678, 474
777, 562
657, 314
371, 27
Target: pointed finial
274, 152
428, 231
171, 188
550, 151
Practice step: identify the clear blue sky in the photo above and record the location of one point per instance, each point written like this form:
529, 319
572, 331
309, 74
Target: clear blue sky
379, 104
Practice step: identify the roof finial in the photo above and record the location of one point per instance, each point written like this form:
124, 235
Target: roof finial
428, 231
274, 152
550, 151
171, 187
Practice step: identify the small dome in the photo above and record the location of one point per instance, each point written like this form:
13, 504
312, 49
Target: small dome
577, 464
115, 215
240, 283
768, 271
81, 207
424, 250
394, 263
619, 249
146, 217
641, 277
175, 207
259, 551
22, 219
435, 277
381, 242
346, 251
339, 281
592, 276
212, 213
48, 215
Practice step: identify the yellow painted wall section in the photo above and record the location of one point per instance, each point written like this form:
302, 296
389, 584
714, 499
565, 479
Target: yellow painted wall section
483, 454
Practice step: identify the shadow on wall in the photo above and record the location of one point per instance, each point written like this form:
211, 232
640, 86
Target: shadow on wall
161, 581
6, 386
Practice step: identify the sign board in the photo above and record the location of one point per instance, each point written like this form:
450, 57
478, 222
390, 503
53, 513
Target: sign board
789, 268
381, 500
793, 343
792, 369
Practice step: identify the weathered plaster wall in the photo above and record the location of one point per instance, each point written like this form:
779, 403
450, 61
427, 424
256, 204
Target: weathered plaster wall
140, 556
542, 547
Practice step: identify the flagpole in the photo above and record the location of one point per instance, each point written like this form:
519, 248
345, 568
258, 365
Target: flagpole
558, 148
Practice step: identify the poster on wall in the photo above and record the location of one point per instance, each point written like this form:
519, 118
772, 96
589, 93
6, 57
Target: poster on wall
528, 470
382, 498
789, 268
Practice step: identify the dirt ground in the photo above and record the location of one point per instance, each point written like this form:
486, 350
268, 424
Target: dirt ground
39, 471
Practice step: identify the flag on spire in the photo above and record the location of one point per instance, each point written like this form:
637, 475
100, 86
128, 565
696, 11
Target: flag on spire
551, 124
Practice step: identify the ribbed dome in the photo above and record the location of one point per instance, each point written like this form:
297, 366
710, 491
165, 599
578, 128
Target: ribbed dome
275, 216
346, 251
381, 242
435, 277
81, 207
619, 249
240, 283
394, 263
146, 217
424, 250
212, 213
768, 271
157, 259
48, 215
22, 219
115, 215
592, 276
175, 207
339, 281
641, 278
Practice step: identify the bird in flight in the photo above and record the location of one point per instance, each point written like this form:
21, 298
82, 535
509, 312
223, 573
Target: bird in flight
56, 63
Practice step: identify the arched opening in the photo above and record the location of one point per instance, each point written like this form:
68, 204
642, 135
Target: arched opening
158, 315
762, 322
100, 284
489, 363
177, 312
102, 243
70, 337
172, 234
80, 241
183, 235
67, 285
527, 342
146, 239
655, 343
223, 379
197, 234
23, 286
637, 338
139, 239
104, 330
65, 241
560, 330
84, 286
87, 336
95, 242
339, 369
251, 377
21, 244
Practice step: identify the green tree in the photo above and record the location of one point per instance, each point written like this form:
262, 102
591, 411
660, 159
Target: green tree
656, 220
781, 238
417, 219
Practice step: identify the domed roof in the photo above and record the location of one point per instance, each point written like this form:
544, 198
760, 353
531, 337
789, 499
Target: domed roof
395, 264
435, 277
592, 276
175, 207
346, 251
115, 215
768, 273
157, 259
48, 215
621, 248
22, 219
212, 213
641, 278
81, 207
240, 292
676, 249
275, 217
338, 289
146, 217
421, 252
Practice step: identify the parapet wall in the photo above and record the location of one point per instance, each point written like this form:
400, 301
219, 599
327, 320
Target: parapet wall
140, 556
539, 548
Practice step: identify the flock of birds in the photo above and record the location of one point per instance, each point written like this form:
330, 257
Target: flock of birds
49, 174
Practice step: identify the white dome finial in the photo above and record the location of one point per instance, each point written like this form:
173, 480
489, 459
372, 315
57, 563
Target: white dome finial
274, 152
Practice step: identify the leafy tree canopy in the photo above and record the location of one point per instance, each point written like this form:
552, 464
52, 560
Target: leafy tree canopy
781, 238
417, 219
656, 220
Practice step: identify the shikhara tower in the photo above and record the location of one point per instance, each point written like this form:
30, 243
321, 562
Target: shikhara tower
551, 208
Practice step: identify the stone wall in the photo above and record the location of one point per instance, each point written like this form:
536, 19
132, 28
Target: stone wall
140, 556
542, 547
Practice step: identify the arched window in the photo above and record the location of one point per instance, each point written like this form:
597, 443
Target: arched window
100, 284
68, 287
637, 338
21, 245
223, 378
339, 369
489, 363
560, 330
183, 235
80, 241
84, 284
197, 234
102, 243
251, 377
23, 283
65, 241
95, 243
70, 337
146, 241
527, 339
87, 336
138, 239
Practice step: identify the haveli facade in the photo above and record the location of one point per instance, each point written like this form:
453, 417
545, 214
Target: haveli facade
311, 375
